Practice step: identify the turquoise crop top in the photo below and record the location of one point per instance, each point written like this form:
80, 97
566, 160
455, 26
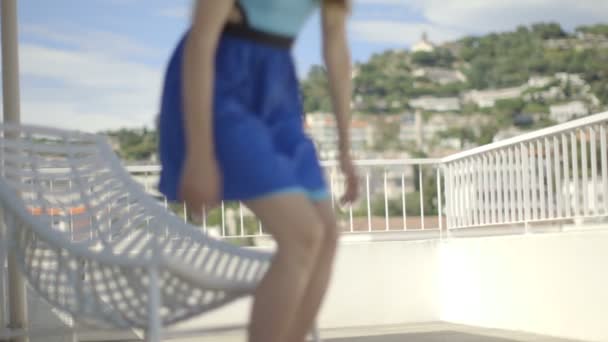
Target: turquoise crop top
278, 17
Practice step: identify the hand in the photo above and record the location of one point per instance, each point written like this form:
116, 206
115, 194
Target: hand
200, 184
351, 179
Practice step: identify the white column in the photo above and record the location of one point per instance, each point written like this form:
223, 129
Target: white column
10, 62
12, 112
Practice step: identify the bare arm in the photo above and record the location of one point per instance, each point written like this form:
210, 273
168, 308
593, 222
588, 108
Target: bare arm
337, 60
198, 72
200, 183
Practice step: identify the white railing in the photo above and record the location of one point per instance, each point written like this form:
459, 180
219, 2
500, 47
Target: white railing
396, 196
558, 174
551, 175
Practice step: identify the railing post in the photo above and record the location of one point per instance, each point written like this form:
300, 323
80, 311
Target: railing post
594, 169
469, 196
439, 204
403, 201
386, 208
575, 166
421, 185
3, 250
369, 210
604, 154
566, 185
447, 171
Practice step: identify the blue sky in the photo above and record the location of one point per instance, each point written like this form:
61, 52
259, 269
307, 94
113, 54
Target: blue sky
98, 64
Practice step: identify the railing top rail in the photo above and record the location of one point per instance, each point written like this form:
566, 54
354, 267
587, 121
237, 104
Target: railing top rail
387, 162
545, 132
143, 168
325, 163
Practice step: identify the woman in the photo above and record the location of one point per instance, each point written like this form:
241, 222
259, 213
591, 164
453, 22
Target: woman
231, 129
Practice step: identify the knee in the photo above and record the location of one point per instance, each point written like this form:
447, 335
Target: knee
332, 232
303, 243
331, 237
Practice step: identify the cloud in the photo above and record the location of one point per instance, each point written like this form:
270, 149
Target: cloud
474, 16
179, 12
69, 116
445, 19
484, 15
84, 69
87, 88
398, 32
91, 40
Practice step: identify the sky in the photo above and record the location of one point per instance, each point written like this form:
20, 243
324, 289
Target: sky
98, 64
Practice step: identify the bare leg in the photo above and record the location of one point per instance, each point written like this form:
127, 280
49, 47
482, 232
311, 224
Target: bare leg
295, 225
315, 291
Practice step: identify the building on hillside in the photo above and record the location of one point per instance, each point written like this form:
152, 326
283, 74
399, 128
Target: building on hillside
583, 41
539, 81
559, 44
574, 79
436, 104
114, 143
588, 40
551, 94
410, 129
568, 111
594, 100
423, 45
427, 135
508, 133
362, 136
438, 144
588, 36
435, 125
440, 75
488, 98
356, 69
322, 129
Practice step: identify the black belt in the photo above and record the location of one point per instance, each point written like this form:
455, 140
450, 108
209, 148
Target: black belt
243, 31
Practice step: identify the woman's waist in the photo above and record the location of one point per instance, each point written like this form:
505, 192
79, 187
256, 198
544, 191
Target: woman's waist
263, 38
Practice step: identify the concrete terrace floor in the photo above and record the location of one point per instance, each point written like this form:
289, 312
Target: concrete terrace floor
424, 332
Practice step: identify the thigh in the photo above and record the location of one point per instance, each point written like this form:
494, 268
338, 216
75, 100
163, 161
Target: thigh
286, 216
327, 215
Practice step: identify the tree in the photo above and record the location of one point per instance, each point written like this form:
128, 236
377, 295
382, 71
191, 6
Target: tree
510, 106
463, 134
548, 30
388, 136
424, 58
439, 58
599, 29
494, 60
315, 91
535, 108
135, 144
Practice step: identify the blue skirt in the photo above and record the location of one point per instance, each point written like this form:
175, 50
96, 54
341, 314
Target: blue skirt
260, 143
